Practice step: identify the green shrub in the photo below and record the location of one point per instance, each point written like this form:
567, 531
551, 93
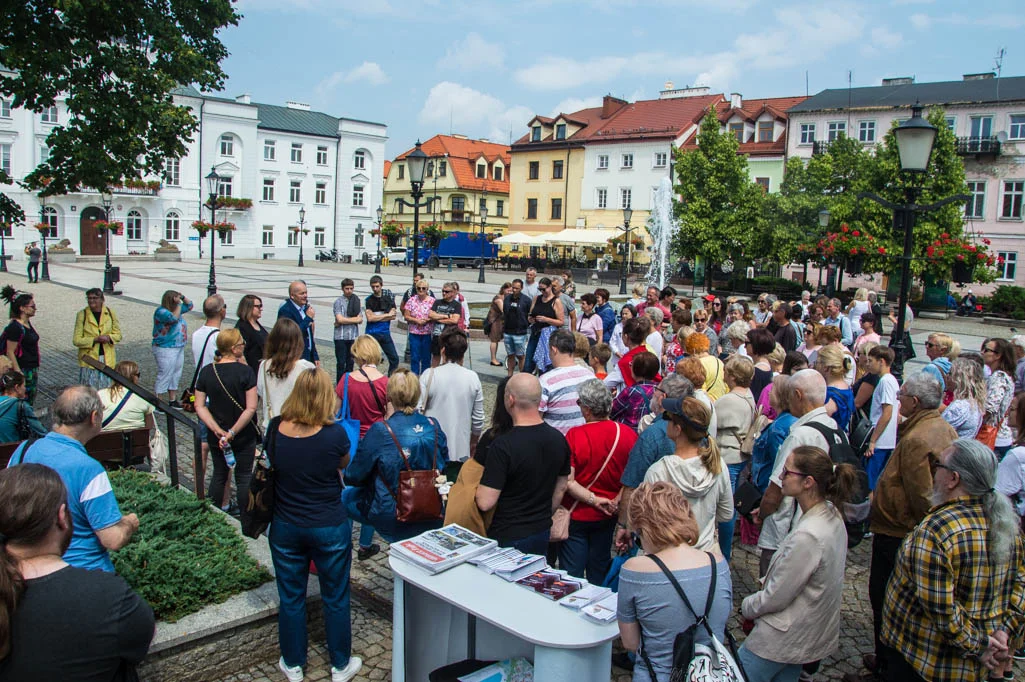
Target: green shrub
1006, 301
185, 555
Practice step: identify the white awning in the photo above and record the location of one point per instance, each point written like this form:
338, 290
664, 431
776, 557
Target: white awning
575, 235
521, 238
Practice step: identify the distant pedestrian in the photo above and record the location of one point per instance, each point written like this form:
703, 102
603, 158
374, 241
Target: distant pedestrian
35, 254
419, 328
530, 288
21, 339
590, 323
249, 312
546, 312
348, 317
515, 328
170, 333
496, 321
96, 331
998, 355
298, 309
380, 311
606, 312
446, 313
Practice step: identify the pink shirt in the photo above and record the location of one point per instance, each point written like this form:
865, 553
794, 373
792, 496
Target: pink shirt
591, 327
417, 308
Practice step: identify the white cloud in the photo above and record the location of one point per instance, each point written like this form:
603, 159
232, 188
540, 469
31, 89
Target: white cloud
1012, 22
471, 112
472, 54
920, 21
370, 72
885, 38
571, 104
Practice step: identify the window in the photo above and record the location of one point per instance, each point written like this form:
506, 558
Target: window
976, 205
357, 239
5, 158
482, 170
765, 129
557, 170
1014, 190
442, 168
661, 158
807, 133
534, 170
226, 238
295, 191
297, 152
173, 172
319, 236
400, 207
500, 208
357, 195
359, 160
535, 134
1017, 131
458, 206
293, 235
737, 131
402, 171
498, 173
603, 162
627, 161
5, 108
1010, 267
866, 131
133, 226
602, 198
763, 183
624, 197
556, 209
268, 189
835, 129
430, 169
269, 150
531, 209
982, 126
320, 194
225, 186
172, 227
560, 131
268, 235
951, 123
483, 205
49, 115
50, 218
227, 145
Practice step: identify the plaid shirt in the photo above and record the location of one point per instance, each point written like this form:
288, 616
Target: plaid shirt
945, 596
632, 403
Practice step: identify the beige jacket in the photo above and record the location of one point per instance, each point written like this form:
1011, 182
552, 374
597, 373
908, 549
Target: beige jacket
797, 611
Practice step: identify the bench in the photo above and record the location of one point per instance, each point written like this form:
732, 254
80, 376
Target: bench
113, 449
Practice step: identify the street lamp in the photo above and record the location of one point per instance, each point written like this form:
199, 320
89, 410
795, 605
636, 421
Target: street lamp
42, 219
416, 160
302, 222
107, 198
377, 261
823, 223
483, 224
213, 183
627, 214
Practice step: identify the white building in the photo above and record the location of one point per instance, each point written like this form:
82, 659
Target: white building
282, 159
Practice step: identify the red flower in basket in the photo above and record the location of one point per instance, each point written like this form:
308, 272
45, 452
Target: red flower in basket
857, 233
854, 252
882, 250
844, 227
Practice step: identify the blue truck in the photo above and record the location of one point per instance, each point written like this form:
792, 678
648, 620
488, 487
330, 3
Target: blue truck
463, 251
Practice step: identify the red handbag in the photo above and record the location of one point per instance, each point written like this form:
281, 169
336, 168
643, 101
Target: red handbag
417, 498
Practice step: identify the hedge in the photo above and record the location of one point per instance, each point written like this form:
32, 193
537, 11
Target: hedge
185, 555
1006, 301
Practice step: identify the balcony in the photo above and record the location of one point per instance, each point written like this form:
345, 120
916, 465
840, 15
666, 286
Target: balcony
139, 190
452, 216
819, 147
979, 146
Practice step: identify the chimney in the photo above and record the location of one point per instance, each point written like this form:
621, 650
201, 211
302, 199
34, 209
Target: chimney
736, 101
300, 106
243, 99
610, 105
988, 76
902, 80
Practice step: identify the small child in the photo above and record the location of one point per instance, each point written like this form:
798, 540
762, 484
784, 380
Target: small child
598, 358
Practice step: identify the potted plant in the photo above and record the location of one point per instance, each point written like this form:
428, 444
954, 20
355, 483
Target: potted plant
114, 226
390, 232
962, 260
433, 234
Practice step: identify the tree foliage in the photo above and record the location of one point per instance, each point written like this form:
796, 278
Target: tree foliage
116, 64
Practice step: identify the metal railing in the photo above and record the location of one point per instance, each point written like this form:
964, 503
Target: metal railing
978, 145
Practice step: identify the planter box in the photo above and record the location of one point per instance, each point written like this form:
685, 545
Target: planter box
1000, 321
62, 257
174, 256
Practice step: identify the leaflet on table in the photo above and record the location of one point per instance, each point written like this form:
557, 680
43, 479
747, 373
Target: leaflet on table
509, 564
602, 611
585, 596
551, 584
443, 548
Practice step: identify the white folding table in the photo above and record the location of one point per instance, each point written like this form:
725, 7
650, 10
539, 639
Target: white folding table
466, 613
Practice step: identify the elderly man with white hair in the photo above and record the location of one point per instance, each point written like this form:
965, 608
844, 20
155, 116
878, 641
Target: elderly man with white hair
779, 514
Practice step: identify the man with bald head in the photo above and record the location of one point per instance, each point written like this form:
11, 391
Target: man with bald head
299, 311
526, 472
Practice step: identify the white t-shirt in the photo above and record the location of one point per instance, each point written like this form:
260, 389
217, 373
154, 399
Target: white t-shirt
273, 392
655, 342
131, 416
885, 394
198, 339
1011, 477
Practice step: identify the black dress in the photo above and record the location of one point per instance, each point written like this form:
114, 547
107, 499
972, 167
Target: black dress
255, 340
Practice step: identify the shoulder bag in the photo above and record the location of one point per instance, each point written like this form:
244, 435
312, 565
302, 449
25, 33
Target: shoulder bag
561, 517
252, 421
344, 418
416, 498
758, 423
373, 392
128, 394
260, 503
189, 394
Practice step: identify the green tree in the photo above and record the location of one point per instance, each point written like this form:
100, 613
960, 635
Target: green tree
116, 64
719, 205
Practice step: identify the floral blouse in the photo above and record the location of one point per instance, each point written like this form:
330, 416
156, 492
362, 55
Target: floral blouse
417, 308
965, 416
999, 392
170, 331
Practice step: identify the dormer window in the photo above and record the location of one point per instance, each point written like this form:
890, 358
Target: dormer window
535, 134
560, 131
482, 170
498, 173
765, 131
737, 130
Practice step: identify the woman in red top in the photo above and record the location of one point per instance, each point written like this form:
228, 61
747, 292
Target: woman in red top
635, 330
599, 450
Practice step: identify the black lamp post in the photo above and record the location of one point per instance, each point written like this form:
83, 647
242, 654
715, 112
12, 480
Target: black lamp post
483, 224
42, 234
107, 198
416, 160
823, 223
302, 223
213, 182
627, 214
915, 138
377, 261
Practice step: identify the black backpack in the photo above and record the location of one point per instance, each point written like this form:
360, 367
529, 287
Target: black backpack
856, 512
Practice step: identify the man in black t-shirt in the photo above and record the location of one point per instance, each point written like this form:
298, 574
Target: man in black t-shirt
69, 623
526, 472
445, 313
515, 307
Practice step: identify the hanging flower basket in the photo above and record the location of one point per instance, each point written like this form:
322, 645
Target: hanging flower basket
230, 203
963, 272
305, 230
43, 227
203, 227
432, 235
114, 226
854, 264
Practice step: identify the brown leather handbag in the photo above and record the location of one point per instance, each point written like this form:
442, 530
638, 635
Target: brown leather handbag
417, 498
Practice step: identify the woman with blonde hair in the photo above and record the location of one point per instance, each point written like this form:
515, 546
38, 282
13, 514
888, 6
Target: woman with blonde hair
695, 469
308, 451
834, 365
830, 336
170, 333
697, 345
858, 306
122, 409
965, 411
276, 374
648, 605
941, 350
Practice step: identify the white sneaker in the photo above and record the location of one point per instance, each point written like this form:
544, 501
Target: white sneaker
348, 672
294, 674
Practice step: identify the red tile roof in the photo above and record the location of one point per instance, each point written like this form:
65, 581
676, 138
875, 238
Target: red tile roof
590, 118
750, 110
387, 167
462, 154
654, 118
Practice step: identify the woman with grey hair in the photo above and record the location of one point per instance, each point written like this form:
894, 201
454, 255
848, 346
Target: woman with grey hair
599, 450
965, 411
735, 336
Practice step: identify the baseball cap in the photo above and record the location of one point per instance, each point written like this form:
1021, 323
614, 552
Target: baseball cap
708, 297
675, 406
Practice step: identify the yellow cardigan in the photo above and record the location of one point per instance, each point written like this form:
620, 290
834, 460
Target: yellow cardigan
86, 331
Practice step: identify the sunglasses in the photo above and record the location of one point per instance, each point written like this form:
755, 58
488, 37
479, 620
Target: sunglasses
989, 350
717, 304
787, 472
421, 288
446, 291
257, 305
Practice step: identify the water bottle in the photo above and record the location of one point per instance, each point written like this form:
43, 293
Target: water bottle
229, 455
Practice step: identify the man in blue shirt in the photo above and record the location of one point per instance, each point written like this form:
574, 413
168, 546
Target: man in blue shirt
380, 311
835, 318
99, 526
299, 311
606, 313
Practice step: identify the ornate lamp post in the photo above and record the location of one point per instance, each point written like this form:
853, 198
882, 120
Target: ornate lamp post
483, 224
302, 223
107, 198
417, 162
42, 219
628, 213
823, 223
377, 261
213, 182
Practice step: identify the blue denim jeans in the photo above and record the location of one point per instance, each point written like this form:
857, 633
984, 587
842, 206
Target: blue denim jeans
330, 548
532, 544
760, 669
726, 527
588, 549
419, 352
528, 363
388, 348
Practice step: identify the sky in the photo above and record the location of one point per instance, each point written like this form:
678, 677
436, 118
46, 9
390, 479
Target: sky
484, 68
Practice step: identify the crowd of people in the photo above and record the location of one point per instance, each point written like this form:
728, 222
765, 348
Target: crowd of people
658, 432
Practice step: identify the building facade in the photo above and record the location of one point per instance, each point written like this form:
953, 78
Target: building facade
280, 159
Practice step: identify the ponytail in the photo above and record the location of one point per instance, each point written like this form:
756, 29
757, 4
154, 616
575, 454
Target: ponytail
693, 425
837, 483
11, 588
843, 486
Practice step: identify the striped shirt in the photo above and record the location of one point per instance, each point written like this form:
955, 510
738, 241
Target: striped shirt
559, 396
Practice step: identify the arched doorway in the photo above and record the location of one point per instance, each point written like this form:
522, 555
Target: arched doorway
90, 239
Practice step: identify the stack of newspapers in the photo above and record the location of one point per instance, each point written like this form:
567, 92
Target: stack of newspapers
439, 550
509, 563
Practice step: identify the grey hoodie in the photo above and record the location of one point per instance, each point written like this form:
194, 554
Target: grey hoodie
710, 495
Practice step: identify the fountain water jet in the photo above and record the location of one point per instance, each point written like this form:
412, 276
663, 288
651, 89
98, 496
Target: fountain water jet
662, 226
